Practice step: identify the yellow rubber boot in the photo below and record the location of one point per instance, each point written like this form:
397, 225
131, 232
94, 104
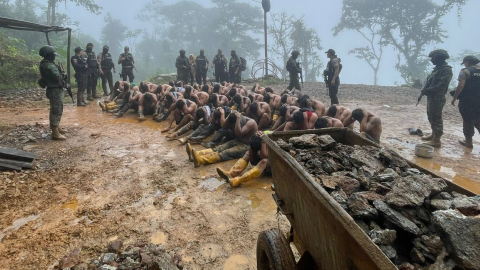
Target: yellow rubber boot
209, 158
102, 105
236, 170
252, 173
189, 150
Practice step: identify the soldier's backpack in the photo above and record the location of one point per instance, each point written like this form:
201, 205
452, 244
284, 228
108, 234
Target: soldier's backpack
243, 65
289, 66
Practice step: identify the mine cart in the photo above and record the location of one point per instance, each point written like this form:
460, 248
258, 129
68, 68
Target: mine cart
325, 235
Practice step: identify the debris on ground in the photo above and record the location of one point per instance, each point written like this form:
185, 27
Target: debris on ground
138, 256
413, 217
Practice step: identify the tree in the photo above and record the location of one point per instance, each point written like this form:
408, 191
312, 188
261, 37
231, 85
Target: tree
409, 26
131, 37
113, 33
89, 5
308, 42
281, 28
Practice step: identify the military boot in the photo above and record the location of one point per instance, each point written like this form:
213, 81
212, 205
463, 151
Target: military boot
467, 142
56, 134
94, 94
89, 97
236, 170
252, 173
435, 142
62, 130
80, 99
427, 138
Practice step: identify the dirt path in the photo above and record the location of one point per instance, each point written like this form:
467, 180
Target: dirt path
120, 179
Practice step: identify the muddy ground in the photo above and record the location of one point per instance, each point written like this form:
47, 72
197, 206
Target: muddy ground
120, 179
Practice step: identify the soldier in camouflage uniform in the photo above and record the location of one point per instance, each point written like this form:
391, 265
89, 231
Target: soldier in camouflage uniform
234, 67
435, 89
201, 68
294, 69
54, 81
183, 67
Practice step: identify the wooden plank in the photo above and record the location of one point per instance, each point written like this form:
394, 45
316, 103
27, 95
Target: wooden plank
15, 154
4, 166
23, 164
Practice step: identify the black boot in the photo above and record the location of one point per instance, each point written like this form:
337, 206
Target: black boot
204, 133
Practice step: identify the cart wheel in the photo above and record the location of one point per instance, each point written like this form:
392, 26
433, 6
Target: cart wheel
273, 251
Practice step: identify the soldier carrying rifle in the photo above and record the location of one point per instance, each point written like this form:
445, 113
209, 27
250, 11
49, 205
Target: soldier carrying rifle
293, 67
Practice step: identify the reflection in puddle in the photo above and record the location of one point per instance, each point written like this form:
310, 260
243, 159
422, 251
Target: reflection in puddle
160, 238
17, 224
253, 200
147, 200
211, 184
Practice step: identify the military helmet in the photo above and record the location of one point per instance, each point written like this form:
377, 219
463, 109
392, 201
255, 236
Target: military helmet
439, 53
78, 49
46, 50
182, 51
90, 44
202, 50
106, 47
233, 52
126, 48
295, 52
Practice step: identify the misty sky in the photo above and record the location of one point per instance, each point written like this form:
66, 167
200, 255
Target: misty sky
321, 15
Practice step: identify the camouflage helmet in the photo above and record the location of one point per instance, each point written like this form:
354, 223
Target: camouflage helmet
46, 50
105, 47
440, 54
202, 51
126, 48
89, 44
182, 51
295, 52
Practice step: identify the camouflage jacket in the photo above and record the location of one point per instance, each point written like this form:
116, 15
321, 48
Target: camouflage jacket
293, 67
50, 74
182, 61
438, 82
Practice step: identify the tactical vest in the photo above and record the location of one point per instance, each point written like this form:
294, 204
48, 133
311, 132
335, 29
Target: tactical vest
92, 60
200, 62
472, 85
128, 62
81, 62
106, 61
48, 79
219, 63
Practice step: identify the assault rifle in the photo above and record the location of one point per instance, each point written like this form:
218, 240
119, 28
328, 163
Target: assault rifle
301, 73
427, 83
66, 83
325, 79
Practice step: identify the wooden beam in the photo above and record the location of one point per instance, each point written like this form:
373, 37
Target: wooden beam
4, 166
14, 154
23, 164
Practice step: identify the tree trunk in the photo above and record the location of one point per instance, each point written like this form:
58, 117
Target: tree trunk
375, 76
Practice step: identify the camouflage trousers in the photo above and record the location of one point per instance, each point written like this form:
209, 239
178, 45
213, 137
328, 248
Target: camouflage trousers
231, 150
435, 106
55, 95
183, 76
294, 83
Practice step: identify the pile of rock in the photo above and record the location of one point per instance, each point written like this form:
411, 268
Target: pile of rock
413, 218
138, 256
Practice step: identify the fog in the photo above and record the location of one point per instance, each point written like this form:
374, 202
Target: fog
321, 15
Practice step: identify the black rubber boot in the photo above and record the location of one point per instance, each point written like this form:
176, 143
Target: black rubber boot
216, 139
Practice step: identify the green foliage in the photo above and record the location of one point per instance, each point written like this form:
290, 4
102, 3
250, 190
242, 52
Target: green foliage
308, 42
409, 26
18, 67
230, 25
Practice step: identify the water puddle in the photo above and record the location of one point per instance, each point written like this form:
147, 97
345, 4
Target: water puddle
160, 238
117, 152
17, 224
236, 262
72, 204
457, 178
131, 118
147, 200
211, 184
171, 198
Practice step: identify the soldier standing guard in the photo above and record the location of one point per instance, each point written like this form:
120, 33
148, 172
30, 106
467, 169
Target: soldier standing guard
54, 81
106, 65
294, 69
435, 89
234, 67
220, 64
183, 67
80, 66
331, 75
128, 64
92, 72
202, 67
